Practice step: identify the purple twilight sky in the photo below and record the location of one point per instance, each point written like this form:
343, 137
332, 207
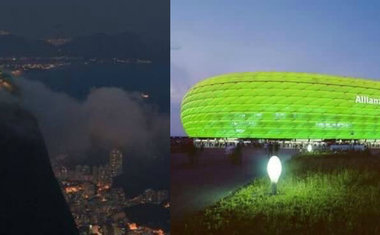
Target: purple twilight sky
219, 36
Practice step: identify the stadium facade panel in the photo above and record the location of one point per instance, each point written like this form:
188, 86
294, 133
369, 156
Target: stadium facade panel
282, 105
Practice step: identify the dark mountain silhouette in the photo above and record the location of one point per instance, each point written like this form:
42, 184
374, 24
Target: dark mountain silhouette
122, 45
101, 45
12, 45
31, 201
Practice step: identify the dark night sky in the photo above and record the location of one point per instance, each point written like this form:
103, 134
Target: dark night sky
47, 18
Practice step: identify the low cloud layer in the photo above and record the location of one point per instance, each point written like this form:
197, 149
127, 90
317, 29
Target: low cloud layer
107, 118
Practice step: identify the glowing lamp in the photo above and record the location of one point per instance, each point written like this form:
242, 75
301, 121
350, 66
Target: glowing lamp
309, 148
274, 169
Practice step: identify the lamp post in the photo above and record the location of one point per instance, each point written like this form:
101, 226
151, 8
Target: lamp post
274, 169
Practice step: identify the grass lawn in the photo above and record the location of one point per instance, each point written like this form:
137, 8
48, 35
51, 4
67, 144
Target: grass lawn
325, 194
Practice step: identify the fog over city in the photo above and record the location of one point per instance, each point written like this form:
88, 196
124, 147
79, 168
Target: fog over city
109, 117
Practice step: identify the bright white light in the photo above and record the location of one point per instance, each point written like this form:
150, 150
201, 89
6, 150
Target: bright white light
274, 168
309, 148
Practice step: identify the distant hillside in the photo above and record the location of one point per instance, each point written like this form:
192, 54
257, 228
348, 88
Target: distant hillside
123, 45
12, 45
107, 46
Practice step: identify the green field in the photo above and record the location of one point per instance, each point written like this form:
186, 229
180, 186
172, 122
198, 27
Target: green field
327, 194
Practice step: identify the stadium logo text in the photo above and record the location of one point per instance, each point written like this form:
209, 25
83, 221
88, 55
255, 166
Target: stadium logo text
366, 100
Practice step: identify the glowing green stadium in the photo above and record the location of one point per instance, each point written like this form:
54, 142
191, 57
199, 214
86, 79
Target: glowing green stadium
274, 105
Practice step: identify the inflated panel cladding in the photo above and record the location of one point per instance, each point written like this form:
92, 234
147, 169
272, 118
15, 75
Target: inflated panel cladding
282, 105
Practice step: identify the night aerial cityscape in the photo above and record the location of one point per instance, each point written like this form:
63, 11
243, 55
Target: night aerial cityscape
84, 110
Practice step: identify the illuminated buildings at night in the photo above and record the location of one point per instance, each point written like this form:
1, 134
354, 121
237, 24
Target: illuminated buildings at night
96, 204
116, 162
